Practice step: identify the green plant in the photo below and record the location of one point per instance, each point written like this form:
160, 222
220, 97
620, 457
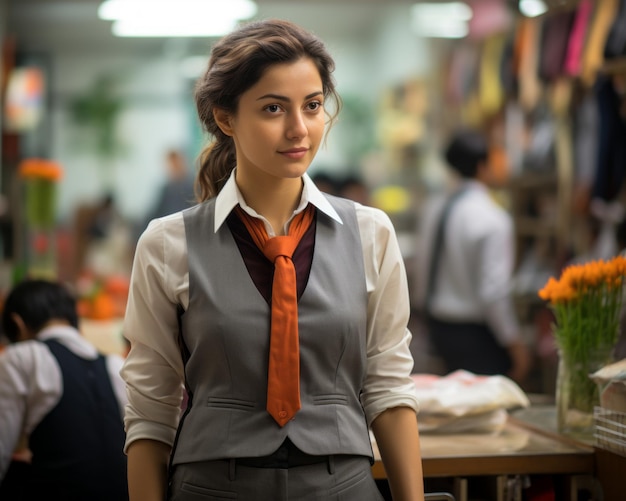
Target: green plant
97, 112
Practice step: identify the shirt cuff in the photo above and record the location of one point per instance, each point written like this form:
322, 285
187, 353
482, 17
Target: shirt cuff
405, 398
141, 430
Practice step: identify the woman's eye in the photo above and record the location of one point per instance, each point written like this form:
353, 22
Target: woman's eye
273, 108
314, 105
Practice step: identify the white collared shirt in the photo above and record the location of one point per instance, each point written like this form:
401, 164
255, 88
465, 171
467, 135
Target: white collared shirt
474, 277
31, 383
160, 280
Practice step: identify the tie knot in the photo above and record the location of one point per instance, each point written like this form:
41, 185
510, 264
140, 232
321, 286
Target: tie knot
280, 246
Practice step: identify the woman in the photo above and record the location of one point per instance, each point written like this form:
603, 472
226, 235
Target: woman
207, 307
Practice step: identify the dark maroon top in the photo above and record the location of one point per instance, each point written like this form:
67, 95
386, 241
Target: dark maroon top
260, 268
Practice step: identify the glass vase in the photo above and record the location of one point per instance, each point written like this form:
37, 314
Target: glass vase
576, 393
41, 254
40, 246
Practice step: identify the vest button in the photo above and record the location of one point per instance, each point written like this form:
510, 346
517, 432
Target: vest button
282, 414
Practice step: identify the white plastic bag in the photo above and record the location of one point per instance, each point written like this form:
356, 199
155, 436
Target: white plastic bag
462, 401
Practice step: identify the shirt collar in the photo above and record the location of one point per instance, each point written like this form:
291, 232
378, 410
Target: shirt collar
230, 196
58, 331
69, 337
473, 184
467, 185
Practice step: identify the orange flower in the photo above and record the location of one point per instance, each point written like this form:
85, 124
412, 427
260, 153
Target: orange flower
548, 290
577, 280
586, 300
556, 291
39, 168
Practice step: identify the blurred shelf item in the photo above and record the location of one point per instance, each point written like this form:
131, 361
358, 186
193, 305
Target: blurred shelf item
105, 335
614, 66
610, 430
532, 226
533, 180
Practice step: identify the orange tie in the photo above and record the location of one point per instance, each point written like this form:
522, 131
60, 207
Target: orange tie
283, 374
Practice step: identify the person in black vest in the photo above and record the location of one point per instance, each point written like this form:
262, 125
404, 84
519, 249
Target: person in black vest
465, 260
263, 254
64, 397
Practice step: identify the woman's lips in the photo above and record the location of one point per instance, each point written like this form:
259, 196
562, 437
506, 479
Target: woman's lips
294, 153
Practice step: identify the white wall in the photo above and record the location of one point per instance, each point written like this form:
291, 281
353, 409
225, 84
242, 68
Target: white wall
159, 110
388, 56
155, 117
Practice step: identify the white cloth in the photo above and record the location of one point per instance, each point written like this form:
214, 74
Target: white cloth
463, 402
31, 384
474, 279
160, 279
462, 393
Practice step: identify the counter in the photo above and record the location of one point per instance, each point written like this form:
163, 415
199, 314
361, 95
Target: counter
522, 448
515, 450
105, 335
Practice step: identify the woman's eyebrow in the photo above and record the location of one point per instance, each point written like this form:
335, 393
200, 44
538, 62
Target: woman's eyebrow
278, 97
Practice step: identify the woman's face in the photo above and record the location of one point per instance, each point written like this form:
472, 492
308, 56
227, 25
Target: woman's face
280, 122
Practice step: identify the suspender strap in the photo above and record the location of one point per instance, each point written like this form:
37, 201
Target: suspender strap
435, 256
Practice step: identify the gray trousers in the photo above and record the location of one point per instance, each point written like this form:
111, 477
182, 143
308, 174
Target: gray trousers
341, 478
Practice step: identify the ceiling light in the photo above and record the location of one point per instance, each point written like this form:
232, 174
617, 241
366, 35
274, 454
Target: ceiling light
442, 11
441, 20
175, 18
532, 8
197, 28
443, 30
113, 10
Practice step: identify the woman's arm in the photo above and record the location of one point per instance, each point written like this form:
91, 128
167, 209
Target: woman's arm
153, 368
389, 395
147, 470
397, 437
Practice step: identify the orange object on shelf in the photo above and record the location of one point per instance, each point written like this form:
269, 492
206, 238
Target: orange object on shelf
40, 168
103, 298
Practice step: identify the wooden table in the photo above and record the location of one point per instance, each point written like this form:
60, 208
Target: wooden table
517, 449
520, 448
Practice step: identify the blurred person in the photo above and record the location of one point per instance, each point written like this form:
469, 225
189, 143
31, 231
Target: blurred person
61, 403
464, 265
204, 283
354, 188
102, 239
325, 182
178, 191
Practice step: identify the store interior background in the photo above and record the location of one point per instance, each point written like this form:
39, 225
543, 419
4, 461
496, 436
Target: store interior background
398, 109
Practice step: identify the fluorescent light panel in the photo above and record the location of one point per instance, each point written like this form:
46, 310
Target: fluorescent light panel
175, 18
441, 20
532, 8
188, 28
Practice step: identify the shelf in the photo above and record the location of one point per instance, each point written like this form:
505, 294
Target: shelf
534, 180
530, 226
526, 299
614, 66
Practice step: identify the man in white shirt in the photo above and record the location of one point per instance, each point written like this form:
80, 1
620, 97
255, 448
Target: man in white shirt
64, 397
465, 264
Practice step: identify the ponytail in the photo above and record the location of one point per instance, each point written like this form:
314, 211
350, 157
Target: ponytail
216, 162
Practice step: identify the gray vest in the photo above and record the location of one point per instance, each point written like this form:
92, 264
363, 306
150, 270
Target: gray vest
226, 331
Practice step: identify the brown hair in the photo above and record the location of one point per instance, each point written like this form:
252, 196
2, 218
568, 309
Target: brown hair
237, 62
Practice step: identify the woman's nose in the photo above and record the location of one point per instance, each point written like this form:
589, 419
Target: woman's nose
296, 127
